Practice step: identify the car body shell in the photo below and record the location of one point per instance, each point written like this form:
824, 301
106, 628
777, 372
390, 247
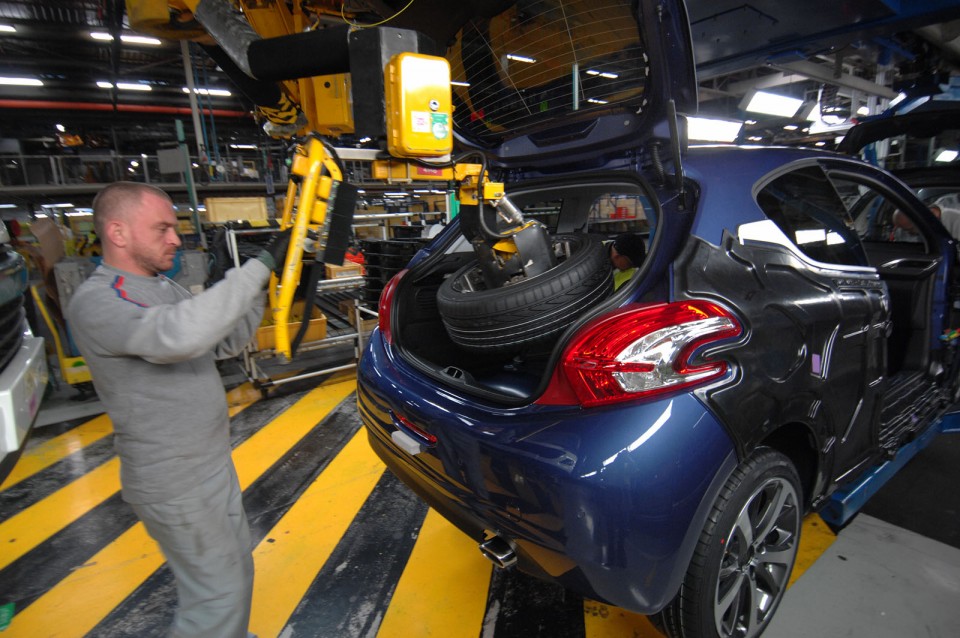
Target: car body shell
610, 501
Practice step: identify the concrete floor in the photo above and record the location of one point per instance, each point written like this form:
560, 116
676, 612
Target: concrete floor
345, 550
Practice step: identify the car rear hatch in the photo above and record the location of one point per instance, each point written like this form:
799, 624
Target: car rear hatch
560, 81
563, 98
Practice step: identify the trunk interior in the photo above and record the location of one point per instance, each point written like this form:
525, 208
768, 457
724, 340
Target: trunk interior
601, 206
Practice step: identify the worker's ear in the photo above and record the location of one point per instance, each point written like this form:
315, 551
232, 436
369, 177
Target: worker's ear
116, 232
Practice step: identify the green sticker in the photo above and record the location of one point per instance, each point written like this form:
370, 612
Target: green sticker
440, 125
6, 615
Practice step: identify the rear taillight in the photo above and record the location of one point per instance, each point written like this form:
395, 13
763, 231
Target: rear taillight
386, 306
641, 351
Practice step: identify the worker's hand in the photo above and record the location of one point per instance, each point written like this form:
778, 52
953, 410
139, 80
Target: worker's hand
220, 259
275, 252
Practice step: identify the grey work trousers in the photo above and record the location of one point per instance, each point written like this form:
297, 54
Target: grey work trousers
205, 538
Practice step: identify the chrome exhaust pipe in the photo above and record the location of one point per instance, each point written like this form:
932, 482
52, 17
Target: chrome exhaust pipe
499, 551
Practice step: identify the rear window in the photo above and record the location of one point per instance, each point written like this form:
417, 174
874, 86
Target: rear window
523, 67
807, 206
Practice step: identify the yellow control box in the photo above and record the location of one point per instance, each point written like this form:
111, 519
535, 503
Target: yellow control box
419, 106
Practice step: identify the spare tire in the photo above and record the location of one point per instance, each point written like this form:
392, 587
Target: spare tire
529, 311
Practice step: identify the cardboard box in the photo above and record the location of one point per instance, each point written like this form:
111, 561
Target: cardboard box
225, 209
367, 323
266, 335
348, 269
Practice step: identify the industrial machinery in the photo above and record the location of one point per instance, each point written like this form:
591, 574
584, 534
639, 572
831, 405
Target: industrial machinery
299, 76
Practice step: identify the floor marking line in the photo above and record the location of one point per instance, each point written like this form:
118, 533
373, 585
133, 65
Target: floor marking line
26, 529
291, 555
39, 457
76, 604
429, 602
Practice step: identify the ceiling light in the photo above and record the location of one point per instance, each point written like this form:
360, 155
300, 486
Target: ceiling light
790, 127
772, 104
520, 58
863, 110
594, 100
126, 86
129, 39
214, 92
244, 146
946, 155
455, 83
711, 130
603, 74
61, 128
20, 81
7, 28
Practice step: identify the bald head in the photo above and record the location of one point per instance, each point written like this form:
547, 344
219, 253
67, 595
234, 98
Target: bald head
118, 200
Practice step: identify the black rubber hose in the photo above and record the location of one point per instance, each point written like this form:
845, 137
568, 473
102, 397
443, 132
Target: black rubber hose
288, 57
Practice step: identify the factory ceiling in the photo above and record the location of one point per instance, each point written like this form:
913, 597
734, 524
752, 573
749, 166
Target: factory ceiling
843, 55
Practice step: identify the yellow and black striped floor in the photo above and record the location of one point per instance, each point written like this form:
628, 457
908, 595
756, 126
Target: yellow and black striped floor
343, 548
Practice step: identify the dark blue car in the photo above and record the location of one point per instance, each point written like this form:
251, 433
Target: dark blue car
654, 444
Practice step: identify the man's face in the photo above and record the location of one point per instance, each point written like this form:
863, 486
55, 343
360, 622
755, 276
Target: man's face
153, 235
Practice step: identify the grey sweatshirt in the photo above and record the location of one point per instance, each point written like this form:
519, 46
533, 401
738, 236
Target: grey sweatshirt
151, 348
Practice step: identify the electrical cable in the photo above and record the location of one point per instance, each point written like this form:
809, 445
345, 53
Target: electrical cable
375, 24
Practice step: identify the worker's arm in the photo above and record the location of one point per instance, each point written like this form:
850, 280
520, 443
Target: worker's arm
115, 324
235, 342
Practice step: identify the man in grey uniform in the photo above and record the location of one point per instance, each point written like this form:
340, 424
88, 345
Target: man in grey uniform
151, 348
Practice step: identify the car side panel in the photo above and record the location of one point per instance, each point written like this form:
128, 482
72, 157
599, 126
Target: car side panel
814, 349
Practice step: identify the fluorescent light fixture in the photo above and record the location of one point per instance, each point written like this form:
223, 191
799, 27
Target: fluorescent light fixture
126, 86
594, 100
7, 28
214, 92
863, 110
248, 147
773, 104
900, 98
704, 129
456, 83
755, 138
946, 155
520, 58
790, 127
129, 39
8, 205
603, 74
61, 128
61, 205
20, 81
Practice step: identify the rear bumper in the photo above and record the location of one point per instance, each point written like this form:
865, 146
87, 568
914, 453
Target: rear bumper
22, 384
609, 503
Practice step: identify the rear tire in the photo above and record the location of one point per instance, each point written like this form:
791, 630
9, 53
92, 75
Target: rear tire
528, 311
745, 555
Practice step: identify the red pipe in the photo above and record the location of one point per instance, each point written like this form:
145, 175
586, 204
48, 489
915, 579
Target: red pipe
125, 108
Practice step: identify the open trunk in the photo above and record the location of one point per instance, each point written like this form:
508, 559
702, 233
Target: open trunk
581, 216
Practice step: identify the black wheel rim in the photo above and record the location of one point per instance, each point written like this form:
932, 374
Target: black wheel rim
758, 555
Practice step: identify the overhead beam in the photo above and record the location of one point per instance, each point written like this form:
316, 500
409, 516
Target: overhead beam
827, 74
